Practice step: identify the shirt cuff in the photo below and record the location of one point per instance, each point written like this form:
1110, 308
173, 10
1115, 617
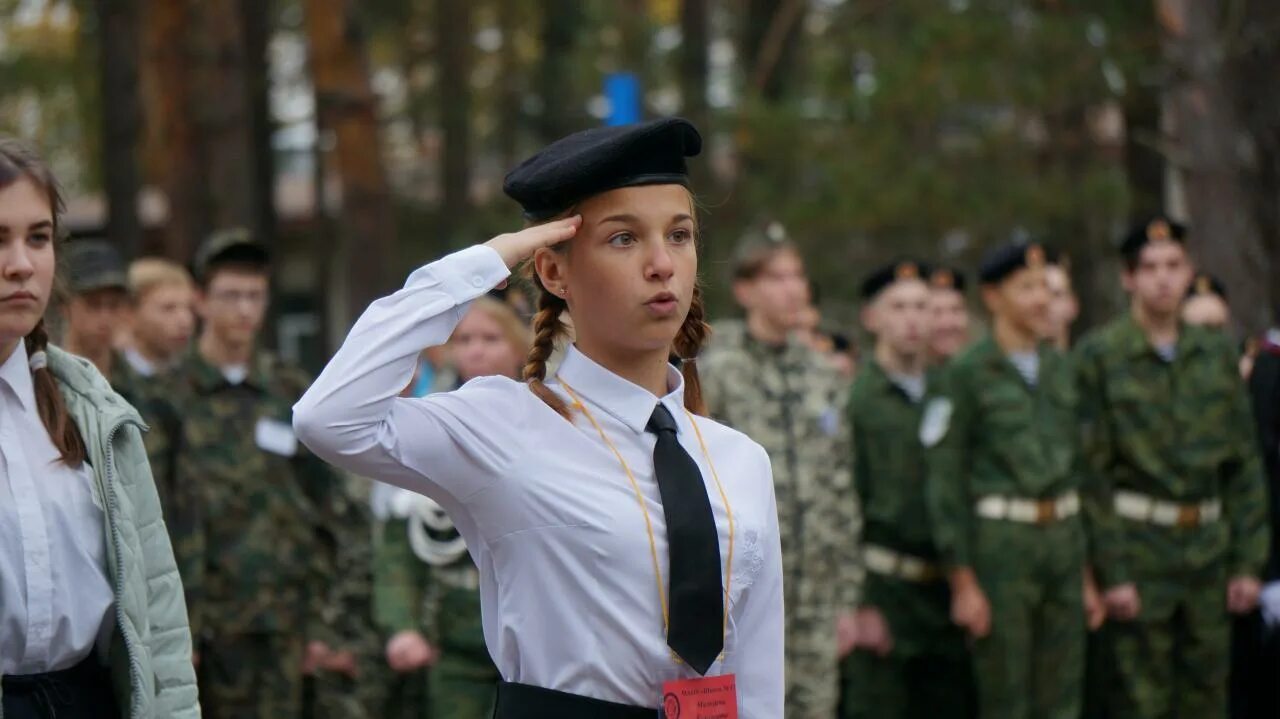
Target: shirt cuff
465, 274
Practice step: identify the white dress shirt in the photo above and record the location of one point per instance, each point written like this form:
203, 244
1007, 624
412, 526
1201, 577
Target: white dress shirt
55, 600
568, 593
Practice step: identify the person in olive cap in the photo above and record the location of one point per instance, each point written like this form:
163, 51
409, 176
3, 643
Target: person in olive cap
628, 548
99, 296
1003, 490
1178, 515
249, 510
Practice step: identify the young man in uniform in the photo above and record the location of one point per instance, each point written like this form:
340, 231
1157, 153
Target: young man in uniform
1177, 515
948, 314
1064, 307
97, 302
910, 661
763, 381
1003, 492
250, 511
160, 316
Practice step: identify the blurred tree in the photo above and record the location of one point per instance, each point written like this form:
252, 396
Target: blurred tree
561, 25
117, 32
347, 111
453, 46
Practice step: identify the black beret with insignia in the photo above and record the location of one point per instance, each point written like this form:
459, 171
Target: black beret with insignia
902, 269
593, 161
1002, 261
947, 278
1207, 284
1156, 228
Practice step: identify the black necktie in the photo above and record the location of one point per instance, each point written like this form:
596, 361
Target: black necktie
696, 631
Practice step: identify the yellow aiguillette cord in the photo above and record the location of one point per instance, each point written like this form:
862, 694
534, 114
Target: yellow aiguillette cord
648, 523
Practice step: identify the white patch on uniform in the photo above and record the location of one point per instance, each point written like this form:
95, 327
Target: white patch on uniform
829, 422
936, 421
276, 437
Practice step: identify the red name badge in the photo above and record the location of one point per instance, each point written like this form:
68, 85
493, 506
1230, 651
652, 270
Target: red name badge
704, 698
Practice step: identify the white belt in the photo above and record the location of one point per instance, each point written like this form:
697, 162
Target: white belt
1029, 511
884, 561
1143, 508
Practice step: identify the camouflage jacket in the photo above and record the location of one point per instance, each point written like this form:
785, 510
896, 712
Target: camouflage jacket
1180, 431
791, 402
990, 433
250, 511
888, 463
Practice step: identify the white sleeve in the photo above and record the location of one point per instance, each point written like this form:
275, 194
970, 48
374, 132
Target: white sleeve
761, 686
446, 446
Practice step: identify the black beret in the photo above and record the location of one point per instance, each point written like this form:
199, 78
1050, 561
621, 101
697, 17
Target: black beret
1207, 284
1154, 228
1002, 261
233, 245
601, 159
947, 278
885, 275
94, 265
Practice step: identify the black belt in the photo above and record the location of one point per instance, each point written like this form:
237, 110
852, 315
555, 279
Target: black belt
81, 692
524, 701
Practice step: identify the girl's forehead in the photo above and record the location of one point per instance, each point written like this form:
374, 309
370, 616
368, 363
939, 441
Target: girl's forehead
646, 201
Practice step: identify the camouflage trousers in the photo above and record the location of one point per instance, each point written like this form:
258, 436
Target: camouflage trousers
330, 695
1173, 660
1031, 665
812, 667
250, 676
463, 683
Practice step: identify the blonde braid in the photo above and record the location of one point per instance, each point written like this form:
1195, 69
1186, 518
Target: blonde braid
547, 328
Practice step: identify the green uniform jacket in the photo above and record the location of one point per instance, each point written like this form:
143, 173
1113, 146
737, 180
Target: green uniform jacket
150, 651
890, 473
991, 434
1179, 431
250, 508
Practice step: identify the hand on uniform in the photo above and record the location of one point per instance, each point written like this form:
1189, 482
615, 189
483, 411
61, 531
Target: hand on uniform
873, 631
409, 651
846, 633
1095, 610
971, 610
1242, 594
516, 247
342, 662
316, 654
1122, 601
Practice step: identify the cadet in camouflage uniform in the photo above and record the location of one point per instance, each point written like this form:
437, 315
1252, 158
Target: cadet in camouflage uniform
247, 505
1178, 515
1005, 472
789, 399
948, 314
910, 661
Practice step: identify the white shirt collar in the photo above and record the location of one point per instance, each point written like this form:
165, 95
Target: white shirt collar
140, 364
16, 373
628, 402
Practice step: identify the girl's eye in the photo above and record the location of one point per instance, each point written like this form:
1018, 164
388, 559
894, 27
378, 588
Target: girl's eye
40, 238
681, 235
622, 239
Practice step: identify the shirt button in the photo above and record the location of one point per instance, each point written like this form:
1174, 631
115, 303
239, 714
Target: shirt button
477, 280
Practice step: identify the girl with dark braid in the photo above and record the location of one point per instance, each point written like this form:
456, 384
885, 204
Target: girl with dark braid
627, 546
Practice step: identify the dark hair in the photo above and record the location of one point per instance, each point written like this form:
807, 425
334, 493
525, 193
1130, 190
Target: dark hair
755, 253
548, 327
19, 161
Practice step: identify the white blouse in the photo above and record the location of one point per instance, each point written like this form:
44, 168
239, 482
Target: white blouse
55, 599
569, 596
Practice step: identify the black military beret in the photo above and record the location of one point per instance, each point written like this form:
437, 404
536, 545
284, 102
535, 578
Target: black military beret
94, 265
947, 278
601, 159
233, 245
1002, 261
901, 269
1152, 229
1207, 284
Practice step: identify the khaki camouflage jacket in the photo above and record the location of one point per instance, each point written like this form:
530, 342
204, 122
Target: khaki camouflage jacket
792, 402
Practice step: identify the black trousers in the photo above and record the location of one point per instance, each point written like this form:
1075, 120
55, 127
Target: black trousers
81, 692
523, 701
1255, 669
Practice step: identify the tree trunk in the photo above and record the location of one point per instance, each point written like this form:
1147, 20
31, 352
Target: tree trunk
561, 22
453, 42
771, 44
118, 33
1208, 135
696, 33
256, 19
348, 110
510, 111
171, 147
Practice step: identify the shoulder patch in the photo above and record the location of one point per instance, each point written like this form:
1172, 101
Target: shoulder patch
936, 421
